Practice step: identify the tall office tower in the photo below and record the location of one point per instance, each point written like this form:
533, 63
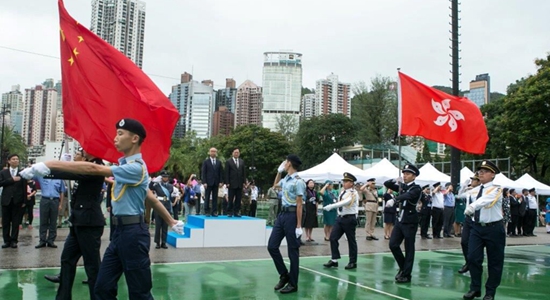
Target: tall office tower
309, 107
39, 117
223, 121
332, 96
227, 97
121, 23
248, 109
480, 90
282, 87
13, 102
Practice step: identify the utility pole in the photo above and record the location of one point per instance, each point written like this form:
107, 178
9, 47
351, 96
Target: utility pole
455, 153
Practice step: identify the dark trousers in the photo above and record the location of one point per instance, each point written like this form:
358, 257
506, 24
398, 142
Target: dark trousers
285, 227
85, 242
519, 225
176, 210
493, 238
344, 225
11, 219
127, 253
49, 209
530, 222
253, 207
448, 220
234, 200
211, 190
161, 227
425, 218
437, 221
465, 237
512, 225
111, 226
402, 232
198, 204
29, 210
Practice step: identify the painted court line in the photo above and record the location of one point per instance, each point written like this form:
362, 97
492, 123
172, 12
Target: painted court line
354, 283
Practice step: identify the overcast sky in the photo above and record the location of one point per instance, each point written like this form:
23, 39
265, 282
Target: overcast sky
355, 39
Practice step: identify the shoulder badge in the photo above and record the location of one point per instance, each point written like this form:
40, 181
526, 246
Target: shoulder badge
297, 177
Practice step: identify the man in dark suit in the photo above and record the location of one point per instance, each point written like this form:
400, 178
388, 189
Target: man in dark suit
14, 194
211, 174
235, 176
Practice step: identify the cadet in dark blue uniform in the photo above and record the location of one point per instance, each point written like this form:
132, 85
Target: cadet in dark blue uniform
128, 252
163, 190
469, 196
407, 223
425, 212
487, 231
288, 224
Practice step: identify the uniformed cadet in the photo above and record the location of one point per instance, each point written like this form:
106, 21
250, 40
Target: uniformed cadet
163, 190
346, 222
371, 207
468, 194
86, 228
425, 212
407, 222
288, 224
487, 231
128, 252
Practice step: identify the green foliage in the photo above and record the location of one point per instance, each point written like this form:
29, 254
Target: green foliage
426, 156
287, 125
306, 90
319, 136
13, 143
447, 89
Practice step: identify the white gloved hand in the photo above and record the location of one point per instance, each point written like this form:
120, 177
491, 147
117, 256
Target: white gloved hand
178, 228
390, 203
299, 232
328, 207
281, 167
470, 210
40, 169
27, 173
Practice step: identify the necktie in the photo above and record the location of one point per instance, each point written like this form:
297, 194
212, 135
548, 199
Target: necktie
477, 213
237, 163
12, 172
214, 163
341, 196
526, 202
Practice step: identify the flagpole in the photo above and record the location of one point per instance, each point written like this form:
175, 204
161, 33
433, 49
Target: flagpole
455, 153
398, 89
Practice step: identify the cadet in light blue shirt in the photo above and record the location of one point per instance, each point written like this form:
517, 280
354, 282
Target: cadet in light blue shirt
130, 187
50, 204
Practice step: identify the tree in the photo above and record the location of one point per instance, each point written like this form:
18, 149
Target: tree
374, 111
306, 90
426, 155
287, 125
13, 143
319, 136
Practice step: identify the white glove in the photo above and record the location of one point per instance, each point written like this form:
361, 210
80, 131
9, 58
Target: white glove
470, 210
28, 173
281, 167
40, 169
390, 203
299, 232
328, 207
178, 228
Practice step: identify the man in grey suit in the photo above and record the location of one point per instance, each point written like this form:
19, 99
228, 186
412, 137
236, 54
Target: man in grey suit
211, 174
235, 176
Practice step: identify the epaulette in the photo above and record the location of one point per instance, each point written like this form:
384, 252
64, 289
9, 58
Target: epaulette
297, 177
136, 160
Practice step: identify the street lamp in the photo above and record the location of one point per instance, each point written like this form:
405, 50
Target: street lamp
5, 110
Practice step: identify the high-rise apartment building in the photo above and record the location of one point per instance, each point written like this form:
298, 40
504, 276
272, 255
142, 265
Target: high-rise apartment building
332, 96
309, 106
40, 112
480, 90
282, 87
248, 108
223, 121
121, 23
13, 102
227, 97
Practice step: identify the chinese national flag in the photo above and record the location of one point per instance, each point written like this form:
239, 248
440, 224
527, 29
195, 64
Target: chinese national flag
101, 86
440, 117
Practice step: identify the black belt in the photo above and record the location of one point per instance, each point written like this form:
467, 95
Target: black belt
489, 224
288, 209
449, 206
372, 201
437, 208
51, 198
347, 216
127, 220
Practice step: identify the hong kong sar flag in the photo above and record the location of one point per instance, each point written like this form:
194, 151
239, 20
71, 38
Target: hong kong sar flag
440, 117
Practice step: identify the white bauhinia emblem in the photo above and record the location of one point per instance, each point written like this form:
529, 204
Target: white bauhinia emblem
447, 115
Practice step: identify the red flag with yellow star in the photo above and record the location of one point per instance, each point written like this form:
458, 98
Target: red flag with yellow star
100, 87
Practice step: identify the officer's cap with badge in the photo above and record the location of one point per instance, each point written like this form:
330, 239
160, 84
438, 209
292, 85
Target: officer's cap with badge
372, 180
489, 166
349, 177
164, 173
427, 186
436, 184
532, 190
475, 177
133, 126
411, 169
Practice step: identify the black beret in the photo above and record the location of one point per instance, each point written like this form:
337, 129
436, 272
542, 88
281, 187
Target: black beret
411, 169
133, 126
372, 180
436, 184
164, 173
427, 186
488, 165
531, 190
293, 158
349, 177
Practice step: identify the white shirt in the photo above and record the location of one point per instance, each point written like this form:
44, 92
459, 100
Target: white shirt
254, 194
438, 200
532, 202
468, 195
489, 204
349, 202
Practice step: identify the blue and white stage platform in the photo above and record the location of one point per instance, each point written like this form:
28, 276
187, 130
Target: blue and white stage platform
201, 231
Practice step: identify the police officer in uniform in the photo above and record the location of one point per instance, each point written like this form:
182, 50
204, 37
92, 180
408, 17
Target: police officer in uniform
163, 190
128, 252
348, 207
425, 212
407, 223
469, 194
86, 228
487, 231
288, 224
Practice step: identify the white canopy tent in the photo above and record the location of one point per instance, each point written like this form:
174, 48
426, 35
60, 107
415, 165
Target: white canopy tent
465, 174
430, 175
333, 168
526, 181
505, 182
382, 171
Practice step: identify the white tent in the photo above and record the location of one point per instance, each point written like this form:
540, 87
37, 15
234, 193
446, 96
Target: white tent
465, 174
430, 175
333, 168
505, 182
526, 181
382, 171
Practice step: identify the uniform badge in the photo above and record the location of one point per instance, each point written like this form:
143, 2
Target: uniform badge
121, 123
